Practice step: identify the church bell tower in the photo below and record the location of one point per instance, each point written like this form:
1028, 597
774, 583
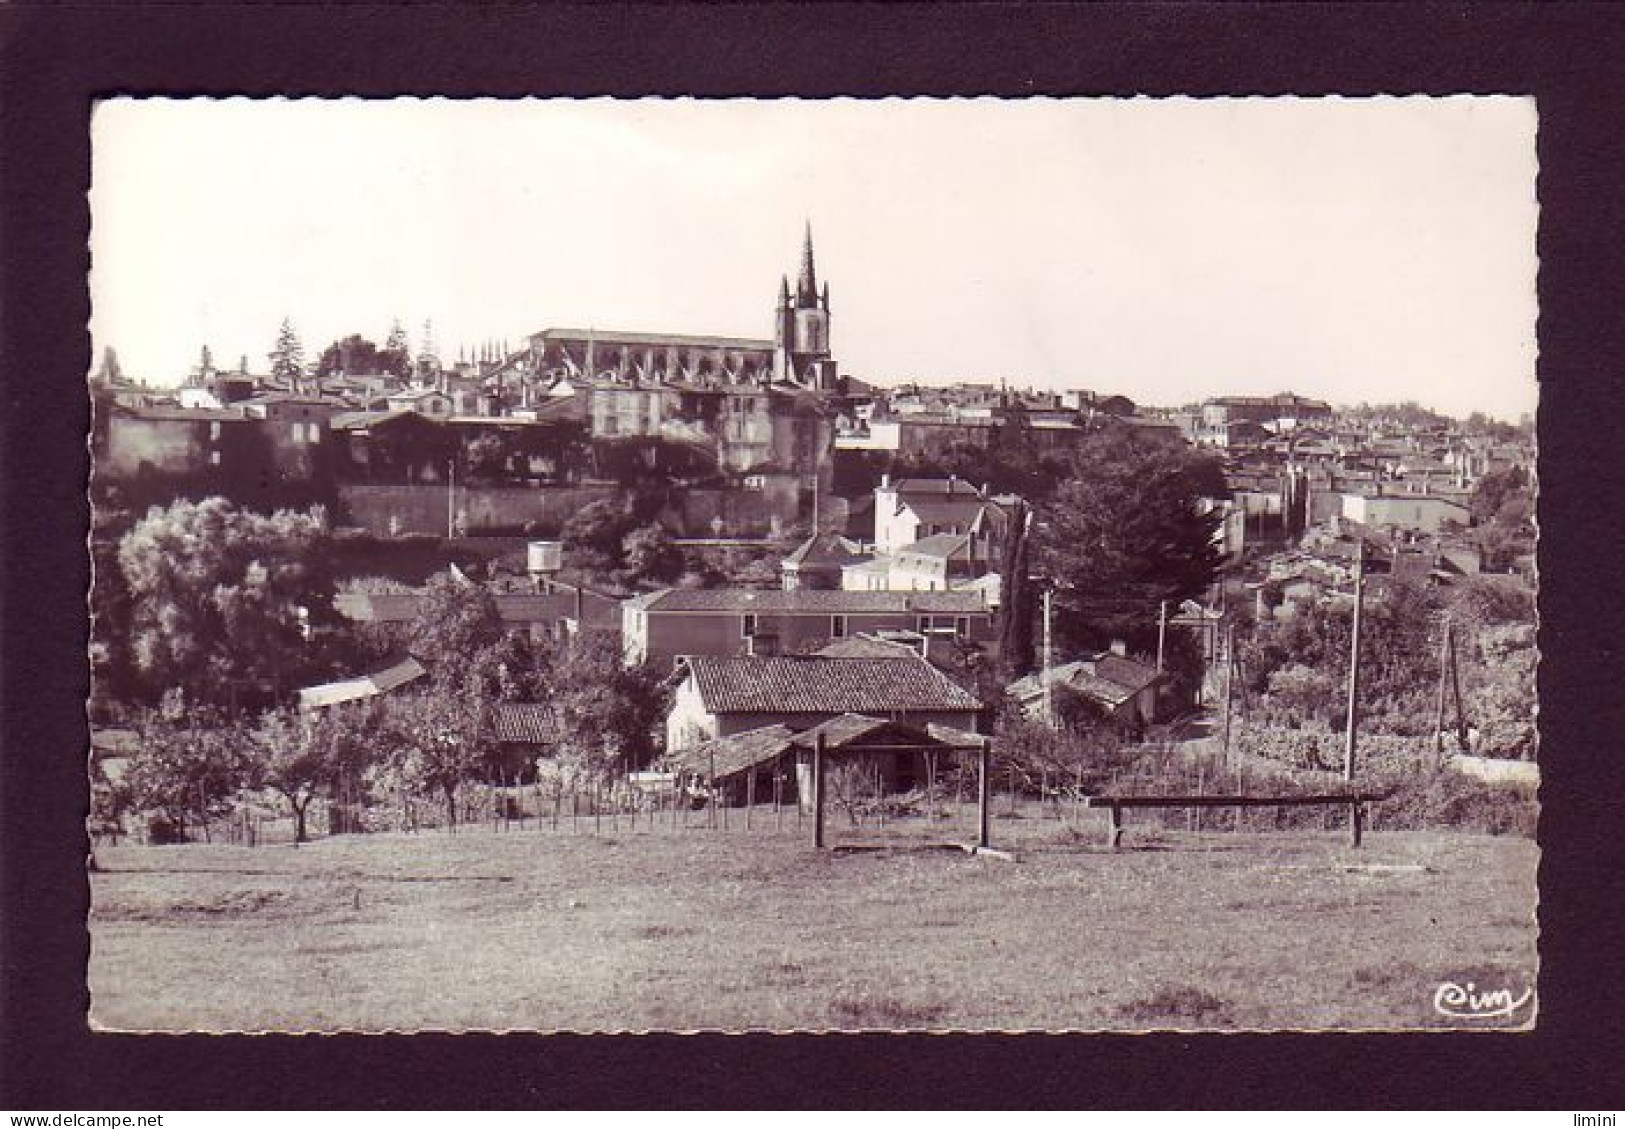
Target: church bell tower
801, 327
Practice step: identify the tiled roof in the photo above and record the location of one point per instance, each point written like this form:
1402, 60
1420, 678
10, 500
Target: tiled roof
814, 684
1131, 675
811, 602
944, 509
522, 723
867, 647
1110, 680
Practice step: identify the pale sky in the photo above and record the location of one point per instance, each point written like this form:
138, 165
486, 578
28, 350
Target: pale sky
1350, 249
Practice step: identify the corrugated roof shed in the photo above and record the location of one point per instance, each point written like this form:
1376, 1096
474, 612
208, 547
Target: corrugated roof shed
368, 686
726, 756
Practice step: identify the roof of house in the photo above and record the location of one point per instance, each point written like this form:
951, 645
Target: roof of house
522, 723
289, 398
367, 686
938, 545
817, 684
512, 607
1109, 679
943, 509
871, 566
867, 647
932, 486
809, 602
826, 548
349, 421
174, 413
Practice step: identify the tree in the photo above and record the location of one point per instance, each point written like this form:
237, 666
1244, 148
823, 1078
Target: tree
350, 356
220, 596
456, 622
1492, 490
300, 754
435, 740
1125, 533
650, 554
1500, 691
1016, 595
187, 767
605, 711
487, 456
594, 534
396, 357
288, 356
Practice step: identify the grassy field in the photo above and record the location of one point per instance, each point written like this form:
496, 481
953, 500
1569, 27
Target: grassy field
675, 929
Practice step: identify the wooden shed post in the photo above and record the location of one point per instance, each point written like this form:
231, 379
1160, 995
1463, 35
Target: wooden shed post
984, 787
818, 791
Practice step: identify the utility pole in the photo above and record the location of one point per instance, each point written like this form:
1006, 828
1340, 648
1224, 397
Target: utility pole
1455, 683
1044, 674
818, 791
1438, 709
1354, 664
451, 497
1229, 684
1162, 630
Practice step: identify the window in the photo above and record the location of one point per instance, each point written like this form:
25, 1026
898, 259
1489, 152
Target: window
962, 626
748, 626
837, 627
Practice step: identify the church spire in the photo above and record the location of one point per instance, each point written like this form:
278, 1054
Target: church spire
807, 283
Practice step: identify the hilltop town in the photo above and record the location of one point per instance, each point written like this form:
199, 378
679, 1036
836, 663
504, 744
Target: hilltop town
739, 522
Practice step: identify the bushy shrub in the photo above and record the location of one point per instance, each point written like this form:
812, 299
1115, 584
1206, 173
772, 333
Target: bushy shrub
1450, 800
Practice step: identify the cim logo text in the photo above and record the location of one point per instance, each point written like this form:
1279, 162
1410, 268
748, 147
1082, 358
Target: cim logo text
1467, 1001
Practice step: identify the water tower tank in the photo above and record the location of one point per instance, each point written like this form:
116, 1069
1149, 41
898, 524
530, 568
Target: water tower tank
545, 557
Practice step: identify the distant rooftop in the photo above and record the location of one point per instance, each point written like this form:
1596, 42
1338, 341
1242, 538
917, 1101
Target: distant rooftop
627, 337
774, 601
